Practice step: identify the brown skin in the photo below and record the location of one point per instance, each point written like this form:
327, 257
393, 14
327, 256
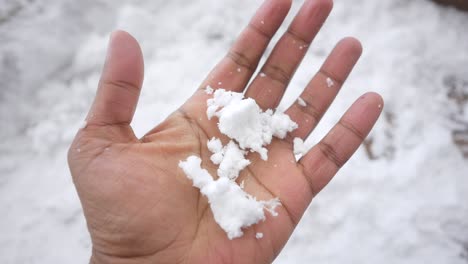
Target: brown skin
139, 205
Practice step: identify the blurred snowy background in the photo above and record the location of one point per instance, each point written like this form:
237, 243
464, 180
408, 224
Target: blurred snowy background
403, 198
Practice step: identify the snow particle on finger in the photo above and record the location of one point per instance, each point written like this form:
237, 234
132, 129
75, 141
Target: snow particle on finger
301, 102
299, 147
330, 82
259, 235
209, 90
84, 124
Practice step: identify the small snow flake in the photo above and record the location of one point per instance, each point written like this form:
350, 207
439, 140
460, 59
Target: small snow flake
259, 235
209, 90
330, 82
299, 147
301, 102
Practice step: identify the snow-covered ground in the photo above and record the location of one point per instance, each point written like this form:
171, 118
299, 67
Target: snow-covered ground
408, 204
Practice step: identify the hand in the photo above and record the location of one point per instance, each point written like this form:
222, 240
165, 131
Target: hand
139, 205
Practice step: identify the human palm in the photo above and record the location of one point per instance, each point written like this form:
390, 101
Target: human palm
139, 205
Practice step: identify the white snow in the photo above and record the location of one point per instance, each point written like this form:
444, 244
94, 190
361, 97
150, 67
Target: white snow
215, 146
406, 206
330, 82
243, 120
209, 90
230, 158
84, 124
233, 209
259, 235
301, 102
299, 148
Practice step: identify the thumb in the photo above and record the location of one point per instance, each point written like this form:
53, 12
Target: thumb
120, 84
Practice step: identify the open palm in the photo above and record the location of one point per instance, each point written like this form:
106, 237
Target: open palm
139, 205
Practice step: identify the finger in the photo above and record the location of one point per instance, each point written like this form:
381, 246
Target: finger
269, 86
324, 160
324, 86
234, 71
120, 84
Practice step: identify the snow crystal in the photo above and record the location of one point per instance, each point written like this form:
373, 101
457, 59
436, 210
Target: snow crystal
301, 102
299, 147
215, 145
259, 235
220, 99
231, 159
330, 82
84, 124
262, 74
209, 90
243, 120
233, 209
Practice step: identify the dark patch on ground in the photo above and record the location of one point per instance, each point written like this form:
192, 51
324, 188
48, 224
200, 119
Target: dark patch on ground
458, 93
460, 4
